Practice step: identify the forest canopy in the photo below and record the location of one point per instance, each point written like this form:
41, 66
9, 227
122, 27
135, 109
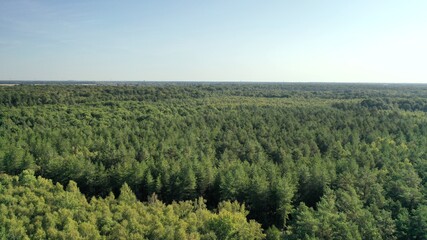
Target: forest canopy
213, 161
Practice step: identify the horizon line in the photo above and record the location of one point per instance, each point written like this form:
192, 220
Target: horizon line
210, 81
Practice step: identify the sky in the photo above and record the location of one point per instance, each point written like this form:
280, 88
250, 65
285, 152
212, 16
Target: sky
221, 40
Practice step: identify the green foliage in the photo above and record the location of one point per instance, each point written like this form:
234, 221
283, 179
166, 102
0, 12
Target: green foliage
309, 161
35, 208
418, 225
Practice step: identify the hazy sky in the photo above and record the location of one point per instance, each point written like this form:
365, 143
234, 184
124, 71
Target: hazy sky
298, 40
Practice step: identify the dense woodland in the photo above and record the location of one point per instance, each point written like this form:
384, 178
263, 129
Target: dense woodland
213, 161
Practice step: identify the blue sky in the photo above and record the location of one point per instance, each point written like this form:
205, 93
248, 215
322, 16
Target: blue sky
328, 41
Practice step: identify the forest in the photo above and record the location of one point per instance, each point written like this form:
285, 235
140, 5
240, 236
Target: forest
213, 161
